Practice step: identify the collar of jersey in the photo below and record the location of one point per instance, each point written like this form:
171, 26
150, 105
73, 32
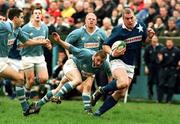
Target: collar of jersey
124, 26
84, 27
31, 25
12, 24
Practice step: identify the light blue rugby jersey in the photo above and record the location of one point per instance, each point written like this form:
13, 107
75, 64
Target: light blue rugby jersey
8, 36
82, 58
34, 33
82, 39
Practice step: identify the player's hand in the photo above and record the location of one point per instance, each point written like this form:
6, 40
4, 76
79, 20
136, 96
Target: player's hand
151, 32
117, 53
56, 36
48, 45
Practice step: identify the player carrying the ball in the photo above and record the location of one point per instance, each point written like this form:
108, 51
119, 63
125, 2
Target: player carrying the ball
122, 61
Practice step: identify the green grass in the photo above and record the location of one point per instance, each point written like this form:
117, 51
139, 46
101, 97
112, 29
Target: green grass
71, 112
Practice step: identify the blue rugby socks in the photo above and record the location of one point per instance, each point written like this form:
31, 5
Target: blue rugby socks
108, 104
110, 87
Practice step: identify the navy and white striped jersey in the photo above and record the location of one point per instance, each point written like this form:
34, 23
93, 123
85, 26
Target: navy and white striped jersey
133, 39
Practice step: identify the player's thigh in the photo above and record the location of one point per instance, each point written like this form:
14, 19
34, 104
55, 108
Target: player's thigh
10, 73
41, 71
28, 67
71, 71
121, 71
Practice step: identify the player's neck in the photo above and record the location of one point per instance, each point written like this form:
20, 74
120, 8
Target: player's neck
90, 30
36, 24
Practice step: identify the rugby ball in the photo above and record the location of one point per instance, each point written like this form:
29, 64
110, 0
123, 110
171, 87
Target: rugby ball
118, 47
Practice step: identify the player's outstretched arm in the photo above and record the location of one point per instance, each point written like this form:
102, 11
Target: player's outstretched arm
58, 39
32, 42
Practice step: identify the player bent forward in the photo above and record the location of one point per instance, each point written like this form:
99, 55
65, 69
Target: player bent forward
82, 66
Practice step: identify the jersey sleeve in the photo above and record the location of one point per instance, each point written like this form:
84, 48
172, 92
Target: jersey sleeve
112, 38
74, 50
74, 36
23, 36
80, 53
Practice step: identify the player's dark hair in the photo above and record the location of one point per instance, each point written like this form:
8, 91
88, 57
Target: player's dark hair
102, 54
127, 11
12, 12
36, 8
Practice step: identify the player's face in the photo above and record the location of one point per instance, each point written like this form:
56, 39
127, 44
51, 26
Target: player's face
91, 20
129, 20
98, 61
19, 20
37, 15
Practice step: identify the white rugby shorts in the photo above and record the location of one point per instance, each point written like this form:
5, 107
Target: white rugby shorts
31, 61
3, 63
15, 64
69, 66
117, 63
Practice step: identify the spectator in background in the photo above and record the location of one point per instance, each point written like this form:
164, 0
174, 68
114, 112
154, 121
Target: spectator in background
20, 3
49, 21
54, 10
99, 11
107, 26
176, 15
115, 17
172, 5
60, 27
68, 9
108, 7
3, 7
137, 5
171, 30
27, 11
80, 15
158, 26
163, 12
169, 59
177, 6
12, 3
152, 65
152, 13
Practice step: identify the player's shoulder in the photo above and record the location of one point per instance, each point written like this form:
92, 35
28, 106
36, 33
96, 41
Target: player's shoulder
26, 26
44, 25
118, 28
141, 23
6, 25
77, 31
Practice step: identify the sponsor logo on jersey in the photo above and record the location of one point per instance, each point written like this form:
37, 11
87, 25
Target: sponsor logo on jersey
134, 39
91, 45
11, 42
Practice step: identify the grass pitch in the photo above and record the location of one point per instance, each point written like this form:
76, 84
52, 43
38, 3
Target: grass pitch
71, 112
